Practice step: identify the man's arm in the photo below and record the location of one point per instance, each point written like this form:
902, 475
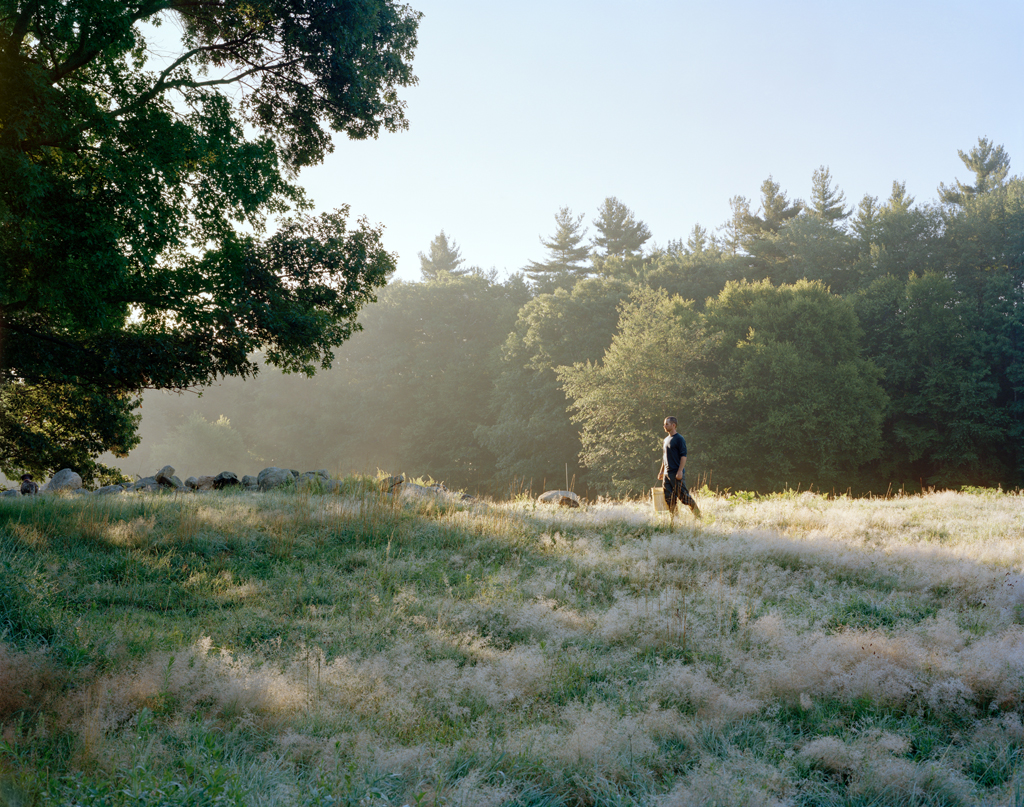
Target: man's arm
682, 464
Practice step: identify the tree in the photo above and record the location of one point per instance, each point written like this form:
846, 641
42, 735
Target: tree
945, 423
899, 200
827, 203
444, 258
414, 388
990, 164
698, 240
134, 199
768, 380
791, 401
621, 400
619, 234
568, 253
812, 247
866, 220
693, 274
758, 232
532, 436
733, 229
906, 239
775, 211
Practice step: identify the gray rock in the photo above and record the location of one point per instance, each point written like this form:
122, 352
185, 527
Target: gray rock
66, 480
565, 498
191, 483
270, 478
204, 483
317, 482
224, 479
146, 484
164, 475
110, 490
10, 493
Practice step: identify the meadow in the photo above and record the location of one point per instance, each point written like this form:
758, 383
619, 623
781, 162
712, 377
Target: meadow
355, 649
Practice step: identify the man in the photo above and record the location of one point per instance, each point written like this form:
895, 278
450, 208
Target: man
673, 469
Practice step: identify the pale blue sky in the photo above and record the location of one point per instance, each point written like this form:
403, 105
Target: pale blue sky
673, 107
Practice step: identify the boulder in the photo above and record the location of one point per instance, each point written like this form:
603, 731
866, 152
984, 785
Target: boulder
250, 482
7, 493
146, 484
201, 483
564, 498
109, 490
66, 480
224, 479
316, 482
270, 478
165, 475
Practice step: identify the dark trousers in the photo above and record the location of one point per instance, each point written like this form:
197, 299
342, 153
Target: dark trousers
676, 491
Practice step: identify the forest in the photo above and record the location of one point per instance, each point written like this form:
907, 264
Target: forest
803, 344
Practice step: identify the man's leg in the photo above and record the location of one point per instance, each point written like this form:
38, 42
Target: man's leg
686, 498
669, 489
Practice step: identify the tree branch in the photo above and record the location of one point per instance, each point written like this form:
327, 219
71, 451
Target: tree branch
162, 84
20, 29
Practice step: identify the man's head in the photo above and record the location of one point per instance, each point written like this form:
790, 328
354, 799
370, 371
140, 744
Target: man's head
671, 424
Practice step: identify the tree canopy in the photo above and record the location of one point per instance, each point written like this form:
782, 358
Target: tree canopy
769, 377
135, 195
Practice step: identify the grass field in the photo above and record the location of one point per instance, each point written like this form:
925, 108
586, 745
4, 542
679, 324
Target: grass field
355, 650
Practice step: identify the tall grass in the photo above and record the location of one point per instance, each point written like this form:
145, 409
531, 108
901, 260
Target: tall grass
360, 649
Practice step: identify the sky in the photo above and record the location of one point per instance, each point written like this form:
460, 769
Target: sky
673, 108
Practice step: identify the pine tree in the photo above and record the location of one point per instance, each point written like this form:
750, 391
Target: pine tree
990, 165
568, 253
827, 203
866, 220
698, 240
776, 210
619, 233
758, 233
899, 200
732, 230
444, 258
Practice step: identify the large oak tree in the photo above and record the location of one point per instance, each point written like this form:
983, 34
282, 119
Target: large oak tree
135, 194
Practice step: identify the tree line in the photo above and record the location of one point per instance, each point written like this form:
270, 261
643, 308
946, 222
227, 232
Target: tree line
814, 344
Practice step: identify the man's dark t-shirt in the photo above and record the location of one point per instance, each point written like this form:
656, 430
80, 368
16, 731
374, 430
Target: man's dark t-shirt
674, 450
